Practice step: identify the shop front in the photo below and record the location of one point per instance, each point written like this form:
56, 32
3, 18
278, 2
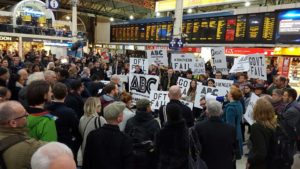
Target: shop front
9, 43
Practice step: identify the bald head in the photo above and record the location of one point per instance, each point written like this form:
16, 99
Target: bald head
10, 110
174, 93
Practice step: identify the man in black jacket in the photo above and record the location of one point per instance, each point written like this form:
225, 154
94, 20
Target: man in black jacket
143, 127
168, 80
67, 121
107, 147
175, 96
74, 99
210, 133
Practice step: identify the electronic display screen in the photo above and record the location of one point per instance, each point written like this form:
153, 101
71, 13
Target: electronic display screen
212, 29
230, 29
240, 31
148, 32
163, 32
196, 30
288, 26
189, 30
221, 29
204, 29
255, 25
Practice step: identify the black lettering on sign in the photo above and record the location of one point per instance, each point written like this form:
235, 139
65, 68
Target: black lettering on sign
142, 85
206, 90
183, 83
213, 52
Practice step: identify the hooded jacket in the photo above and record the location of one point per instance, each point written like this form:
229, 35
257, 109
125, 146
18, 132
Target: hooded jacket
41, 124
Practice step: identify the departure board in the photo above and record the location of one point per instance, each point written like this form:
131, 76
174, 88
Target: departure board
142, 32
183, 28
221, 29
196, 30
113, 34
230, 29
212, 29
136, 32
269, 27
132, 32
148, 32
170, 29
153, 32
128, 33
255, 23
124, 33
240, 31
163, 32
189, 30
204, 29
120, 34
158, 29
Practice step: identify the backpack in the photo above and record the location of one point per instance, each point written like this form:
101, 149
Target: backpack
281, 151
6, 143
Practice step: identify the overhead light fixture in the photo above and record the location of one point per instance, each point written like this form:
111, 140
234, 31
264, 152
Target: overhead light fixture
157, 14
190, 10
111, 19
131, 17
68, 18
247, 3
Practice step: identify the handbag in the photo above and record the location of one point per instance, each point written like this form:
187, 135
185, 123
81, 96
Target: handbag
195, 161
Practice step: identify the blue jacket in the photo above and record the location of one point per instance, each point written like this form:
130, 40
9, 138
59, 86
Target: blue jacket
233, 115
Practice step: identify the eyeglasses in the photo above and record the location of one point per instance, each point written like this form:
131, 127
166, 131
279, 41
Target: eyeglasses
25, 115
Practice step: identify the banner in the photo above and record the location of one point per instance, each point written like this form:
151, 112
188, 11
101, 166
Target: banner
141, 86
223, 83
219, 60
185, 84
159, 56
188, 104
258, 67
241, 64
183, 62
123, 78
249, 111
199, 67
139, 61
203, 90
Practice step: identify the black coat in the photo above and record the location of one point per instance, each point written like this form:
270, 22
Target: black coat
66, 125
107, 148
260, 138
172, 146
165, 80
98, 71
187, 113
218, 141
75, 102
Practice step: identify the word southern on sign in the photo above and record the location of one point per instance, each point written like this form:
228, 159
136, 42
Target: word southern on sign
183, 62
158, 56
139, 61
141, 86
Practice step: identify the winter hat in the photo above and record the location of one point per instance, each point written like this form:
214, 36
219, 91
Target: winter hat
113, 110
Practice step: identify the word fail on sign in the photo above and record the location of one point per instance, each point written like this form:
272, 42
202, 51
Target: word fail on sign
183, 62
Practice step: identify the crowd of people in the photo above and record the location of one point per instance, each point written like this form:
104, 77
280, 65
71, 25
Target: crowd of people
92, 124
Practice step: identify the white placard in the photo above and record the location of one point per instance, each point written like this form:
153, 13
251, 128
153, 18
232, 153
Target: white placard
159, 56
183, 62
258, 67
184, 85
123, 78
139, 61
219, 60
249, 111
203, 90
199, 67
188, 104
223, 83
241, 64
158, 99
206, 54
141, 86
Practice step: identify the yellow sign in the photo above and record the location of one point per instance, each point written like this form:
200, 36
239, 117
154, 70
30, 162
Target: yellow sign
42, 20
26, 18
169, 5
292, 51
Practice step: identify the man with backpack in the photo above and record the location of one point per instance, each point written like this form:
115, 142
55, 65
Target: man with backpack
142, 129
16, 146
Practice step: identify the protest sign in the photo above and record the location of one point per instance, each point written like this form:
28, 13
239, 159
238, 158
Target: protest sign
141, 86
223, 83
139, 61
158, 99
249, 111
206, 54
185, 84
123, 78
241, 64
159, 56
203, 90
258, 67
183, 62
199, 67
188, 104
219, 60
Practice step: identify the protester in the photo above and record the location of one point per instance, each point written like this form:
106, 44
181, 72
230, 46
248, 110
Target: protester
107, 147
5, 94
138, 70
17, 145
50, 77
215, 155
191, 93
168, 80
279, 83
4, 76
211, 83
111, 91
277, 101
189, 74
74, 100
218, 75
53, 155
128, 111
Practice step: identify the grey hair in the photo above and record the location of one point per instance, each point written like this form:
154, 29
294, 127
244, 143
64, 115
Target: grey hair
214, 108
115, 77
35, 76
7, 111
49, 73
113, 110
46, 155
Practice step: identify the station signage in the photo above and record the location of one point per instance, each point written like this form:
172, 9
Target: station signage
8, 38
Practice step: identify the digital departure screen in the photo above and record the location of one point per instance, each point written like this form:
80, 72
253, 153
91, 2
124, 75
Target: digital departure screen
153, 32
158, 29
148, 32
142, 32
240, 32
212, 29
269, 27
189, 30
288, 26
230, 29
255, 24
196, 30
221, 29
204, 29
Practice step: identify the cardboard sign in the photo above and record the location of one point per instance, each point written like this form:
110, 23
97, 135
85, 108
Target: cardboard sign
223, 83
203, 90
199, 67
123, 78
183, 62
139, 61
159, 56
219, 60
188, 104
185, 84
241, 64
141, 86
249, 111
258, 67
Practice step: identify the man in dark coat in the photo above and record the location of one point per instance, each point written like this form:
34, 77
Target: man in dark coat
107, 147
168, 80
67, 122
74, 99
175, 96
4, 76
143, 127
97, 70
210, 133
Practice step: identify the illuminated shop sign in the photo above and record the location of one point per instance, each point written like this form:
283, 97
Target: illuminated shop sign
8, 38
